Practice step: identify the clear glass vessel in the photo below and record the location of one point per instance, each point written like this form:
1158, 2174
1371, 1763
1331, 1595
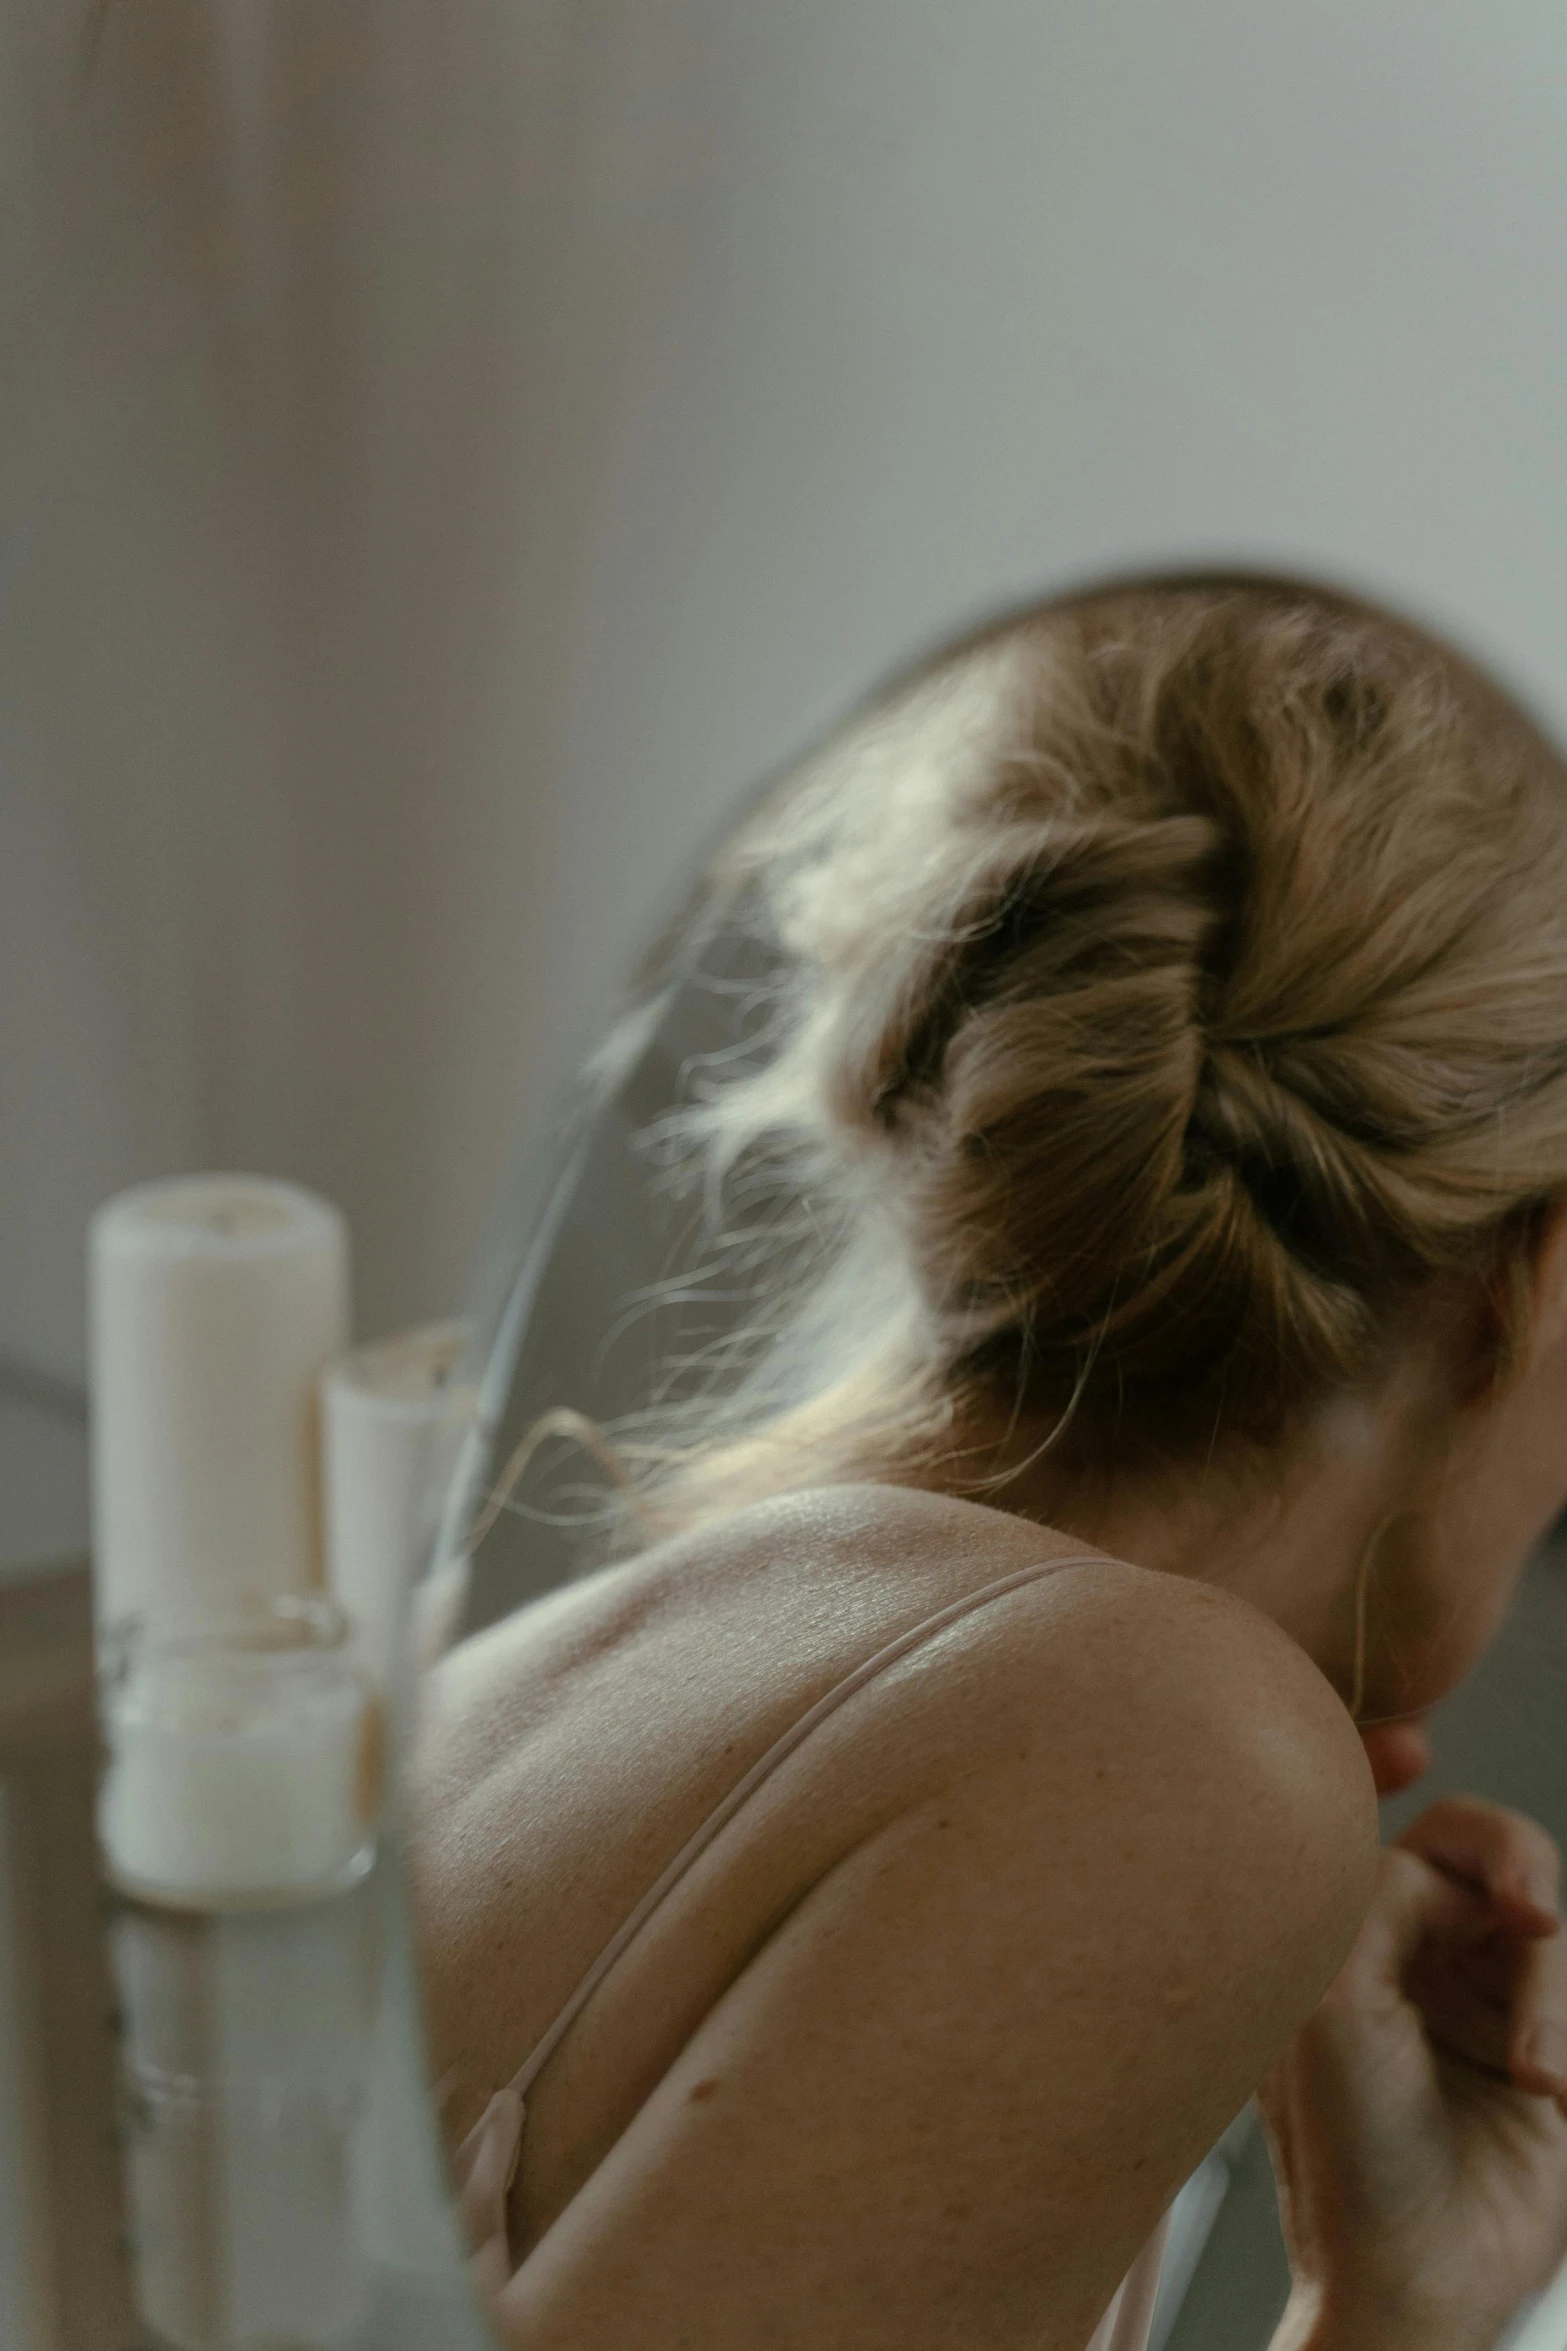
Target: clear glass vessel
243, 1758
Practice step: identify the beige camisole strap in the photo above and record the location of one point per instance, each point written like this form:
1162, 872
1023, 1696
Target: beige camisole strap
485, 2164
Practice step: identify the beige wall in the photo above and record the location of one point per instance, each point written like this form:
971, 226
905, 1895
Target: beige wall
451, 450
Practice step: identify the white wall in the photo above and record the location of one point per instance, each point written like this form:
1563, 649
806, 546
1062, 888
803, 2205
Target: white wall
455, 450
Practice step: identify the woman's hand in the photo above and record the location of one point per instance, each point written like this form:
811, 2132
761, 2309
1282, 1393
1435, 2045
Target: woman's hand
1417, 2120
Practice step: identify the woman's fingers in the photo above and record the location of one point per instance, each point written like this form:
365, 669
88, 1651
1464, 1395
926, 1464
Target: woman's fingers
1506, 1855
1466, 1918
1500, 2004
1537, 2036
1416, 1907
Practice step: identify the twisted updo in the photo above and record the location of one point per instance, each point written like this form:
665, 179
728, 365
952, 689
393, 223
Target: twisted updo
1172, 983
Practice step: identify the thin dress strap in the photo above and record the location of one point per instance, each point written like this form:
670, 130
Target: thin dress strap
779, 1752
486, 2162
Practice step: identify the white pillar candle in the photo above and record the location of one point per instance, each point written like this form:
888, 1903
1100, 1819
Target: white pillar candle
394, 1416
214, 1302
243, 1762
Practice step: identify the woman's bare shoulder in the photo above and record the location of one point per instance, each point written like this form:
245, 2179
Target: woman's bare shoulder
1140, 1625
1151, 1690
1191, 1703
1128, 1837
1139, 1690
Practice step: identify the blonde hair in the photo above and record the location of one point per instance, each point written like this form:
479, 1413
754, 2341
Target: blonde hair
1170, 983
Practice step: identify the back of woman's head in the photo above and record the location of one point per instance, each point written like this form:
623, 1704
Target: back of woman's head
1174, 987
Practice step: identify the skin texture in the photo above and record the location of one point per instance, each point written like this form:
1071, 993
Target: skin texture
923, 2046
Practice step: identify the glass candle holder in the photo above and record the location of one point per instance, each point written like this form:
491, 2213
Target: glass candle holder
243, 1759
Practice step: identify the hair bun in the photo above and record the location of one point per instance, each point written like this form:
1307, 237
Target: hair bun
1176, 979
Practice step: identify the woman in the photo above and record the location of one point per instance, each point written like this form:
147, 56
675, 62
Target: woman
1169, 1058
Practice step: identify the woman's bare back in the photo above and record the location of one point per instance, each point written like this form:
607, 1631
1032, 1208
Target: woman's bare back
924, 2043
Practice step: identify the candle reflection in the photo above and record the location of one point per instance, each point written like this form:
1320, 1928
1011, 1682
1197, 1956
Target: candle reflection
245, 2058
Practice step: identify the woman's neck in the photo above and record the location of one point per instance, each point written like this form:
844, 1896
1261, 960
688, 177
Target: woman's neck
1289, 1530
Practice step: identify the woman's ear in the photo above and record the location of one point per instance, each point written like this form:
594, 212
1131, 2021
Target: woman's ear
1536, 1308
1517, 1313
